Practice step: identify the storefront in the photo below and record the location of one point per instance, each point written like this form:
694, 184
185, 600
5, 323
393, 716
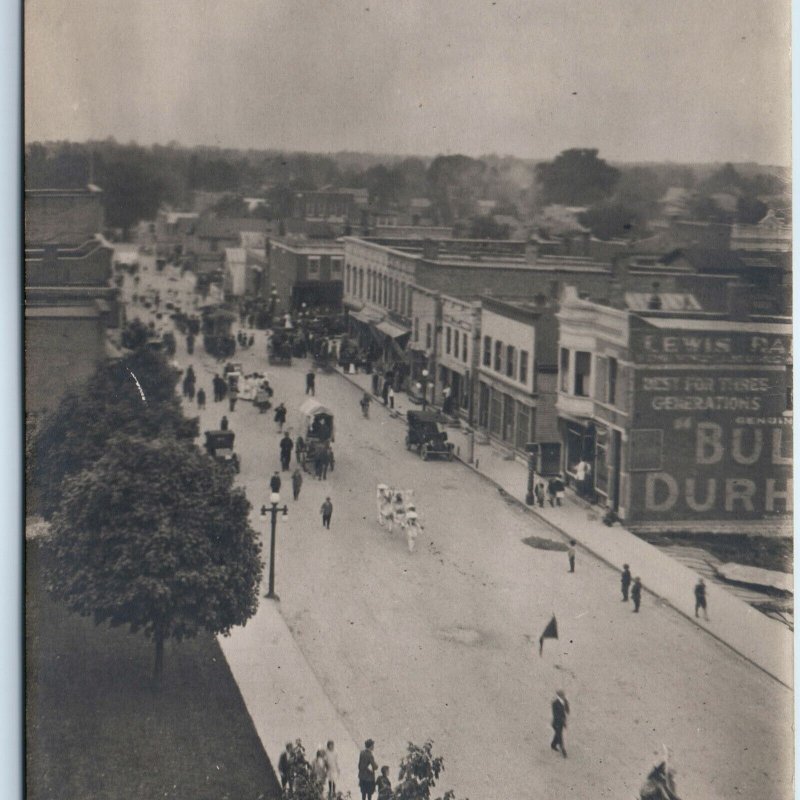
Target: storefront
506, 413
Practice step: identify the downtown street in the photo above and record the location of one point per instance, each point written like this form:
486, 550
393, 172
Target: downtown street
442, 643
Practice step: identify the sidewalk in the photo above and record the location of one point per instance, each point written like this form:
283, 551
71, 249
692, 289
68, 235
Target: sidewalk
764, 642
283, 695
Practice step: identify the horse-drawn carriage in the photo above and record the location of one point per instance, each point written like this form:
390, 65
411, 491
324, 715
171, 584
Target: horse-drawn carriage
318, 428
279, 347
219, 445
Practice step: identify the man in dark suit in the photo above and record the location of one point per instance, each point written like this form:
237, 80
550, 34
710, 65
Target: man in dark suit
560, 713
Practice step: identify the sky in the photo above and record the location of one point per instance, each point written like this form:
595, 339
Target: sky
641, 80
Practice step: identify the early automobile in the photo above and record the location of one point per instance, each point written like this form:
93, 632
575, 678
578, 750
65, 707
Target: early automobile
279, 347
219, 445
425, 435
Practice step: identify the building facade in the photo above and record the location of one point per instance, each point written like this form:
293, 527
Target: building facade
516, 372
306, 271
685, 417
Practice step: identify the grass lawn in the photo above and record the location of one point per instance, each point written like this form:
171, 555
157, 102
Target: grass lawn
96, 730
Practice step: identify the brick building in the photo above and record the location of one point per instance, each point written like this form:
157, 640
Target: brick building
305, 271
70, 301
684, 414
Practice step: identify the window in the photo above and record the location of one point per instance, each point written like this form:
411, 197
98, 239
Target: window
611, 395
447, 338
428, 335
487, 351
313, 267
483, 405
789, 388
511, 361
347, 272
563, 370
523, 366
464, 347
336, 268
583, 373
455, 344
416, 329
498, 356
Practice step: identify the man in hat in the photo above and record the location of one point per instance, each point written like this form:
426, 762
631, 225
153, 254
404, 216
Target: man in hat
275, 482
636, 594
367, 770
625, 582
286, 447
571, 554
700, 598
560, 714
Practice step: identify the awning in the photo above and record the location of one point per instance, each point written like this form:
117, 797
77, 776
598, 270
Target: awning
363, 316
391, 330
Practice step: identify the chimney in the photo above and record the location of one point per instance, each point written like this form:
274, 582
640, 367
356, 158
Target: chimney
531, 252
430, 249
738, 298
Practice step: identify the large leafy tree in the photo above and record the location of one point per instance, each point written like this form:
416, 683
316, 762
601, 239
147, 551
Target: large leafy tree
134, 396
419, 771
153, 536
576, 177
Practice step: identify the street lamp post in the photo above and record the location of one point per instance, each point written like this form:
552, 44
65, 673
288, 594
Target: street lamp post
274, 499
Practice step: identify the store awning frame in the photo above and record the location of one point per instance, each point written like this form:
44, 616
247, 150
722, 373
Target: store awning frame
391, 330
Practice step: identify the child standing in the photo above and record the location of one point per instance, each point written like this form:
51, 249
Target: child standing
384, 784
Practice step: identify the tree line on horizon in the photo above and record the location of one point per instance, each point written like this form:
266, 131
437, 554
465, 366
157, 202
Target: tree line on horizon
619, 200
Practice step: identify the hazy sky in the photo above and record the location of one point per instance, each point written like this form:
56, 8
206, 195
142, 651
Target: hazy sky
684, 80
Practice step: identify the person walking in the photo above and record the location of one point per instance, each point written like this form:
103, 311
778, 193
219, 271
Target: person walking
636, 594
223, 423
201, 398
280, 416
384, 784
311, 380
284, 763
700, 598
391, 397
300, 450
571, 554
412, 526
364, 403
385, 392
320, 770
367, 767
559, 489
551, 492
538, 493
286, 446
560, 709
233, 396
625, 582
275, 482
332, 762
297, 482
326, 509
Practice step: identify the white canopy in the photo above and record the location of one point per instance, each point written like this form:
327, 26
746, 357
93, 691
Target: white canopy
311, 407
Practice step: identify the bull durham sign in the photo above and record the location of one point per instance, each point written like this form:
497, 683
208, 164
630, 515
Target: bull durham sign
710, 443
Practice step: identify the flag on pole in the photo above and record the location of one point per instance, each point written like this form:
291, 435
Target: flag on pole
550, 632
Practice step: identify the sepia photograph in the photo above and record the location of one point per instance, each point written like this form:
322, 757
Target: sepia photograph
407, 399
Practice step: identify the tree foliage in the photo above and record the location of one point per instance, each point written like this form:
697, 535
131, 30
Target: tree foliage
133, 396
153, 536
419, 771
576, 177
